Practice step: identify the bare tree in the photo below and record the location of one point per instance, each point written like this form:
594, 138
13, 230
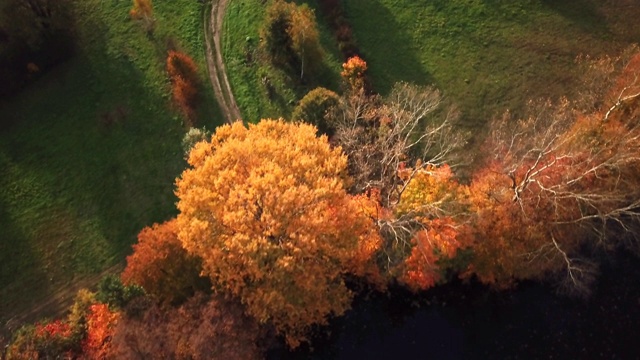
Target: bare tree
410, 127
389, 142
574, 177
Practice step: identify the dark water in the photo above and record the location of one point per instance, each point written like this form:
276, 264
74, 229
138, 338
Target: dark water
468, 321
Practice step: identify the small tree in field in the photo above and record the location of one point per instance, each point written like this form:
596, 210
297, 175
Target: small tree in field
143, 11
184, 83
291, 37
353, 73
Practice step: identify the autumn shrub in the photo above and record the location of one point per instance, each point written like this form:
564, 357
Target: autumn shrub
183, 74
313, 108
266, 210
50, 340
353, 73
162, 267
101, 322
201, 328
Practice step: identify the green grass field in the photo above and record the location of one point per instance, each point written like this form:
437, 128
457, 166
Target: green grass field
74, 191
488, 56
246, 67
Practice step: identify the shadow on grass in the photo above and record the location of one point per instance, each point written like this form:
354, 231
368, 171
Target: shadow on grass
391, 57
583, 13
17, 260
98, 183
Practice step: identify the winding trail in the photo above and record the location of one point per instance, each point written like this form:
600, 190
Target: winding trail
215, 64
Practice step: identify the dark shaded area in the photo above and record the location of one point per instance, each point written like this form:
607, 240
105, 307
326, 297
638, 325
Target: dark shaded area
35, 35
583, 13
468, 321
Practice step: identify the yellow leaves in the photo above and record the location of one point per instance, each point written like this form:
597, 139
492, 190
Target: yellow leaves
353, 72
431, 191
265, 209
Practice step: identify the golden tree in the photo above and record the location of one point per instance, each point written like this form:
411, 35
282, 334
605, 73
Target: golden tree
266, 210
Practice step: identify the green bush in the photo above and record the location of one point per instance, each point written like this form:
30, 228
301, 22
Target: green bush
314, 106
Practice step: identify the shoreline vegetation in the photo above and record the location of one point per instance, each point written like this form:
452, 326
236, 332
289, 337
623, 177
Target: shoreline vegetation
455, 145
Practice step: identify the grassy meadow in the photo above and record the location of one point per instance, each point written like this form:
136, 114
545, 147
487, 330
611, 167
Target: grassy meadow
247, 66
488, 56
89, 153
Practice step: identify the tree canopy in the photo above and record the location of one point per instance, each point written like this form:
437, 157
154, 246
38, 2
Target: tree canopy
266, 209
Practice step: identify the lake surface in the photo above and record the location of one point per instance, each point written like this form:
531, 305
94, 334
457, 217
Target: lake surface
469, 321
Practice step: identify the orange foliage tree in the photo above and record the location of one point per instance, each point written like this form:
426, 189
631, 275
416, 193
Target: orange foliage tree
266, 210
161, 266
100, 326
556, 182
353, 72
183, 74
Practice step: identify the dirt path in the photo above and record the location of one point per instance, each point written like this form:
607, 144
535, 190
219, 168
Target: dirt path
215, 64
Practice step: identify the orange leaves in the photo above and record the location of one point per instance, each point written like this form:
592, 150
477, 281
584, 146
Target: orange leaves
265, 209
353, 72
436, 206
184, 83
556, 181
160, 265
441, 240
141, 9
100, 326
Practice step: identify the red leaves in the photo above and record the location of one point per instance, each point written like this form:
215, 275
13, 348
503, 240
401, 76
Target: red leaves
57, 328
441, 240
100, 325
184, 83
